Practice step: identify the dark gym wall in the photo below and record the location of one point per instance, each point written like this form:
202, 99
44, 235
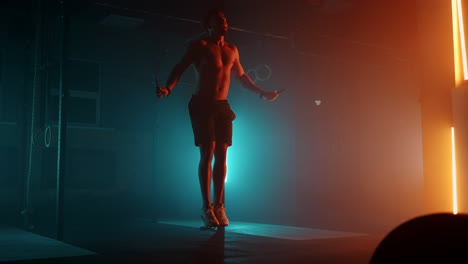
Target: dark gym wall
354, 162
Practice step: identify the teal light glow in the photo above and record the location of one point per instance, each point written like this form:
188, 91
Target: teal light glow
227, 164
239, 154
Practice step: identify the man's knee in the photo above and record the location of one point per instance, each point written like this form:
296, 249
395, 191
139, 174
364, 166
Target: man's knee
207, 150
221, 151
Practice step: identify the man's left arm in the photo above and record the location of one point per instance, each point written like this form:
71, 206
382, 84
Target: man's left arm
247, 82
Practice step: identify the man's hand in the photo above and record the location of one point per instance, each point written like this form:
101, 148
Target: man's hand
269, 95
162, 91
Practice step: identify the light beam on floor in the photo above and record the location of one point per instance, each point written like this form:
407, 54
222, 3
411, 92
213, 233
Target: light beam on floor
268, 230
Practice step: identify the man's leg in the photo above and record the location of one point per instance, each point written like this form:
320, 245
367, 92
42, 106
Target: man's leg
204, 174
219, 177
219, 171
205, 171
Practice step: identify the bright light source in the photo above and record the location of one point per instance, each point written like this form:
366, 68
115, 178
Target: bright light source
462, 38
459, 48
456, 43
454, 174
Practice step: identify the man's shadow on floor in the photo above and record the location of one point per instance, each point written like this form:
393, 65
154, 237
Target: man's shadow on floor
212, 250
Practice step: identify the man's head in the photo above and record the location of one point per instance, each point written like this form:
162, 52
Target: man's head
215, 22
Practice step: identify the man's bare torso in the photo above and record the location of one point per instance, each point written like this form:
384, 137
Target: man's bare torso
213, 64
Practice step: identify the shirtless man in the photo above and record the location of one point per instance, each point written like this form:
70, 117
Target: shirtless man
210, 113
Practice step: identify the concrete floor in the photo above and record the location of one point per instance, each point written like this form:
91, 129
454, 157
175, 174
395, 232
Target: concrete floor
146, 241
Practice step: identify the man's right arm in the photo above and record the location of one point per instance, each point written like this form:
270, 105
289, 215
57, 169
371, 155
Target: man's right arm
177, 71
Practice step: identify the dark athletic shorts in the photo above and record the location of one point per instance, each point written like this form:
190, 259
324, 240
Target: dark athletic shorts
211, 120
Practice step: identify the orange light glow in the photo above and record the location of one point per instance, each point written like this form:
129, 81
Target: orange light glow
454, 174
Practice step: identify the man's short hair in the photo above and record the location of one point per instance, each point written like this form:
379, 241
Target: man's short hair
206, 19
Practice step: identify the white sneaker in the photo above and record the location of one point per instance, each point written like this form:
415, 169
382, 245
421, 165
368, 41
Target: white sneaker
208, 217
220, 213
